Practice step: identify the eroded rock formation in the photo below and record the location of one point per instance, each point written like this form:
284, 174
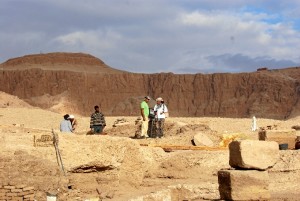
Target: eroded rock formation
76, 82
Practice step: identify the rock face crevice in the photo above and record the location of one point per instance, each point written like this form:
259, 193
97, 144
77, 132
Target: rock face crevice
84, 83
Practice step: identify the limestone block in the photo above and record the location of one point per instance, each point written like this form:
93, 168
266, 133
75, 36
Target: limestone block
279, 136
201, 139
243, 185
253, 154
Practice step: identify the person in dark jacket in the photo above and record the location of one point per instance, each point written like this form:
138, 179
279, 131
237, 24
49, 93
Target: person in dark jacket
97, 123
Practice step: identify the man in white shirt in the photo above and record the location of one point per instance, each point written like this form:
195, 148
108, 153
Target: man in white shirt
160, 111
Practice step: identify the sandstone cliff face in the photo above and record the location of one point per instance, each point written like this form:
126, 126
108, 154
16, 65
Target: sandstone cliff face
272, 94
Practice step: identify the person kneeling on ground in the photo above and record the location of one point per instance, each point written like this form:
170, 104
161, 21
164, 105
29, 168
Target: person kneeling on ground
73, 122
65, 125
97, 123
160, 111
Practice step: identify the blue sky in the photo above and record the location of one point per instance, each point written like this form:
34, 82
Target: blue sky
150, 36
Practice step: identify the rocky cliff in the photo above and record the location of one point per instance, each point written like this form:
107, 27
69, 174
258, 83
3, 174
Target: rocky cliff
74, 83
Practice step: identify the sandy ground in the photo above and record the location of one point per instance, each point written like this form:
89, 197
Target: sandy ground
17, 124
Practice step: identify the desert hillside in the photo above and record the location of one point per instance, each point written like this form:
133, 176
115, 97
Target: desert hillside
116, 166
76, 82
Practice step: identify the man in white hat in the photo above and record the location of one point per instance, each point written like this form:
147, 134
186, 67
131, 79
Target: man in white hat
73, 122
160, 111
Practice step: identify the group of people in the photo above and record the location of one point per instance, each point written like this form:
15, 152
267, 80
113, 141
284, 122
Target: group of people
160, 111
97, 122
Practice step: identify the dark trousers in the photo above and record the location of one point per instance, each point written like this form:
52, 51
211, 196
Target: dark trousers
152, 128
98, 129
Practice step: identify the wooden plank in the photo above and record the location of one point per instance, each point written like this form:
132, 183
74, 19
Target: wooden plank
182, 147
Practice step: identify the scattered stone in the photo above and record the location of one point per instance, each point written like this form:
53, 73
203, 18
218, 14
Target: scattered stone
253, 154
297, 128
243, 185
110, 194
201, 139
120, 122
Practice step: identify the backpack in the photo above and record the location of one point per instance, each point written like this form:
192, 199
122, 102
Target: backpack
151, 114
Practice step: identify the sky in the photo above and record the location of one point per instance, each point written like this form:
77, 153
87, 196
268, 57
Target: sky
153, 36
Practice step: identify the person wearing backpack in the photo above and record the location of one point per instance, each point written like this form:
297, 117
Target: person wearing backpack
161, 112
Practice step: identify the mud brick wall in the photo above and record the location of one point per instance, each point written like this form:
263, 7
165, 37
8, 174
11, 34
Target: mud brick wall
16, 193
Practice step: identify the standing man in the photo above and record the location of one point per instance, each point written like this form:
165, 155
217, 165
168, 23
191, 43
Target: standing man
97, 123
160, 111
145, 114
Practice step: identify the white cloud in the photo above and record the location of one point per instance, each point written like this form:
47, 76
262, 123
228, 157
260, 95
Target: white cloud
155, 36
92, 39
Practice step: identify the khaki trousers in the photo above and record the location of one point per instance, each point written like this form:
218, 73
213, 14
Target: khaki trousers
145, 128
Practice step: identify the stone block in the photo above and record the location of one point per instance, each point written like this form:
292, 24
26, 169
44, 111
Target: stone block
11, 194
9, 187
17, 199
243, 185
201, 139
16, 190
279, 136
29, 196
20, 186
4, 190
253, 154
26, 192
28, 188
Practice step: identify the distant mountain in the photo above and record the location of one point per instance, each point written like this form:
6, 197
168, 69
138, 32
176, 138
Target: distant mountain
76, 62
75, 82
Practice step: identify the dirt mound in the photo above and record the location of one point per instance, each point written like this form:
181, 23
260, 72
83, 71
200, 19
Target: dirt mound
175, 132
118, 168
78, 62
7, 100
59, 103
